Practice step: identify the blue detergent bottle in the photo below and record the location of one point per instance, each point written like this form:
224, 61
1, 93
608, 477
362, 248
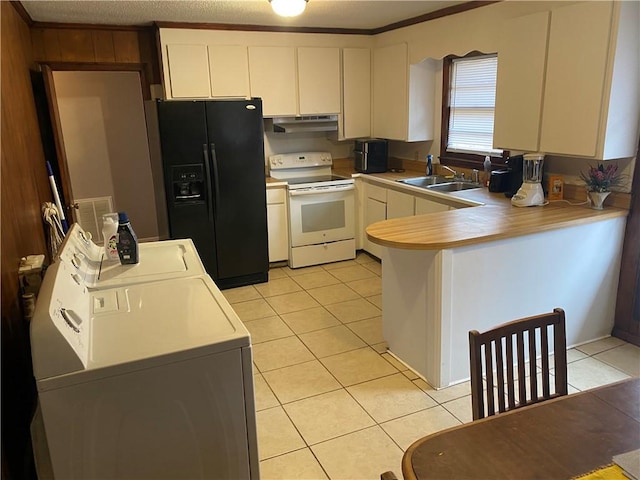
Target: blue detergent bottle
127, 241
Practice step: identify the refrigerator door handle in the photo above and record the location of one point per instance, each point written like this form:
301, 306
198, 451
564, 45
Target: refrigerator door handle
207, 171
214, 161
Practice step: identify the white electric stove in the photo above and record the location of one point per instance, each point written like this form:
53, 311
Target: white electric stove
321, 208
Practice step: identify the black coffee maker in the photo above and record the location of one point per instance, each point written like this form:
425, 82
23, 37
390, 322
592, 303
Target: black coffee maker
514, 180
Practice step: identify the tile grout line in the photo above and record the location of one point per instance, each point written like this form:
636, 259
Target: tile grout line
367, 345
345, 388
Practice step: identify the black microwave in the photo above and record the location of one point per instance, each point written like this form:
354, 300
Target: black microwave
370, 155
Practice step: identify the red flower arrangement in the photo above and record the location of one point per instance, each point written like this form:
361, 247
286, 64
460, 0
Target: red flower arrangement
601, 178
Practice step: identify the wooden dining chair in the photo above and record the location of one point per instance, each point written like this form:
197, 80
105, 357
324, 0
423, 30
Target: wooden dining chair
495, 354
388, 476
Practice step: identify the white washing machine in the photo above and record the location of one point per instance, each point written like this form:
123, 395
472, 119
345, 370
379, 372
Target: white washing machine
158, 261
148, 381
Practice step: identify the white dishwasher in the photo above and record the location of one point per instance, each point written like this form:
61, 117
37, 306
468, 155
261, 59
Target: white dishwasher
151, 380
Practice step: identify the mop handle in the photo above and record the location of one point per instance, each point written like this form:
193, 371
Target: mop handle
56, 197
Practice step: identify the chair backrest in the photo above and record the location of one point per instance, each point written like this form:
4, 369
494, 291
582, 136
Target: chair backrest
495, 353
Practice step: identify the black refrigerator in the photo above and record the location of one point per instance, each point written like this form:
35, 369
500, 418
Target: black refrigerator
213, 164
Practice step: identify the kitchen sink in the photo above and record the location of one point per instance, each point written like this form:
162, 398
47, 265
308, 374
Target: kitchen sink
424, 181
453, 186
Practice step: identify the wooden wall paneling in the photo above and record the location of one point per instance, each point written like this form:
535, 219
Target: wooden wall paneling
149, 55
99, 47
51, 45
104, 50
24, 186
37, 44
76, 45
126, 46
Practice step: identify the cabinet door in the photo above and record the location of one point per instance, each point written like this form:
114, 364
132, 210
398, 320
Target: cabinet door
319, 80
188, 71
278, 232
229, 71
272, 76
522, 55
356, 84
575, 81
399, 204
376, 211
390, 90
424, 206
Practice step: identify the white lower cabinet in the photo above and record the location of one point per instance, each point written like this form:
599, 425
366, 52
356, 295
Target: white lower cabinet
277, 224
380, 203
400, 204
428, 206
376, 211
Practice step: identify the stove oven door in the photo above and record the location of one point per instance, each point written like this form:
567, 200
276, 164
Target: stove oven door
321, 214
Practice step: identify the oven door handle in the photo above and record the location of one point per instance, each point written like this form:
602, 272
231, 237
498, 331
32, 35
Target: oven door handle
320, 191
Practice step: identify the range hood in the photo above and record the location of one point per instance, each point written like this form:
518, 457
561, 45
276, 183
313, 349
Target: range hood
303, 124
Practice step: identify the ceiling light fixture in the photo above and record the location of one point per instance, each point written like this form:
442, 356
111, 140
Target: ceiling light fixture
288, 8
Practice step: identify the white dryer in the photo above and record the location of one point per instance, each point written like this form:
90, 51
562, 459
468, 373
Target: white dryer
148, 381
158, 261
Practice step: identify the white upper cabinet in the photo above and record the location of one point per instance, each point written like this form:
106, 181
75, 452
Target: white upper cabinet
272, 75
188, 71
522, 55
319, 80
356, 93
590, 105
290, 82
390, 92
201, 71
229, 71
403, 95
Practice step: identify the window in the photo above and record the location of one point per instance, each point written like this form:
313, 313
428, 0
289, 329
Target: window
469, 94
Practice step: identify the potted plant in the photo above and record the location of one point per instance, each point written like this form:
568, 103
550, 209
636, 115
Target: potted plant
599, 180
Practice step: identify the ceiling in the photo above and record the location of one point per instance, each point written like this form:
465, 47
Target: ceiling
348, 14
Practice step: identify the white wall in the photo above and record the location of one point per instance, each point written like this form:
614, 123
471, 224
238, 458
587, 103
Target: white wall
275, 143
105, 139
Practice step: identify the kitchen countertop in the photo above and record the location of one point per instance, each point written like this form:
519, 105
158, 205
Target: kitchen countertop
275, 182
492, 219
490, 216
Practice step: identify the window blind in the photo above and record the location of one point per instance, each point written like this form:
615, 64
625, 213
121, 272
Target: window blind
472, 100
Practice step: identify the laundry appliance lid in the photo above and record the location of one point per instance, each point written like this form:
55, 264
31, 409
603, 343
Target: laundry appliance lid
132, 328
157, 261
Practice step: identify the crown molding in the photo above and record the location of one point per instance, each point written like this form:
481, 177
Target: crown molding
444, 12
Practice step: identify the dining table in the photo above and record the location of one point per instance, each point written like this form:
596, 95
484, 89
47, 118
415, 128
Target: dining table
562, 438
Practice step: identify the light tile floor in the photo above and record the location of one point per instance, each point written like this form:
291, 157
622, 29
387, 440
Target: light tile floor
331, 403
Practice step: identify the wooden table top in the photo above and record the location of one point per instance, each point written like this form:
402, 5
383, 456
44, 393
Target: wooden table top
557, 439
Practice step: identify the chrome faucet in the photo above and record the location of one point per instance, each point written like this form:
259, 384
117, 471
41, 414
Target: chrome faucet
456, 175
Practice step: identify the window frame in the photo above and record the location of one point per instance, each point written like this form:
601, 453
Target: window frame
458, 159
